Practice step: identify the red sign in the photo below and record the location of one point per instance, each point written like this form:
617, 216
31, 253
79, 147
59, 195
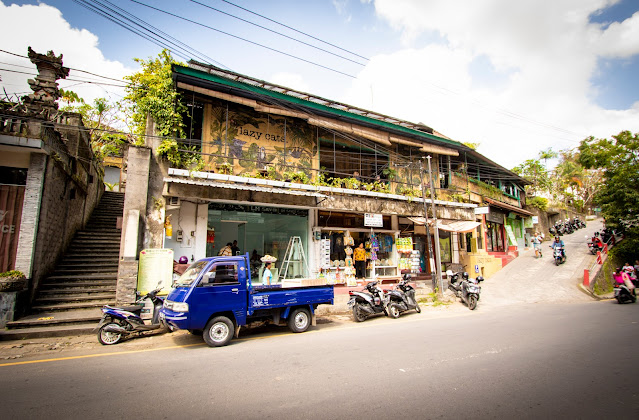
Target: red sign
11, 197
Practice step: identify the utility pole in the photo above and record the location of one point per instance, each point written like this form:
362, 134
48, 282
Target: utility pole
431, 259
438, 258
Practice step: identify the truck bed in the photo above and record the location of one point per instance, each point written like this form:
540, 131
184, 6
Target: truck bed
266, 297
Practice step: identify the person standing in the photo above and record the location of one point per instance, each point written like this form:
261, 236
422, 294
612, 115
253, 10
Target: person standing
267, 276
537, 244
359, 255
226, 251
235, 249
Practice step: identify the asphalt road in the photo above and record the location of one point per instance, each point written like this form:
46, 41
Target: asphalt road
576, 360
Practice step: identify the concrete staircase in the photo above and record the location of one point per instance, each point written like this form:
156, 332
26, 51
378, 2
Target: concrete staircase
69, 300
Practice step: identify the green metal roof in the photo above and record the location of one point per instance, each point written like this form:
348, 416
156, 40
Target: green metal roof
187, 71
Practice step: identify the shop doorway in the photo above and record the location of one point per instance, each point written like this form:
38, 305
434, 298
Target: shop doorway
495, 237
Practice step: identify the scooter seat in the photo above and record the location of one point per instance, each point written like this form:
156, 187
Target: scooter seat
130, 308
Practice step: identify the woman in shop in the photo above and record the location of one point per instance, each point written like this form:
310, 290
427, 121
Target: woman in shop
267, 276
359, 255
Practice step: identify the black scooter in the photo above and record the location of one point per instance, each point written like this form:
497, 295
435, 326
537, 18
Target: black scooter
402, 298
117, 323
467, 290
370, 301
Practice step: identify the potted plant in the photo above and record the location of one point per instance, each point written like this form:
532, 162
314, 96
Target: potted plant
225, 168
12, 281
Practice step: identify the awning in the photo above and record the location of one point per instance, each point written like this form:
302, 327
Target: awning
448, 225
508, 207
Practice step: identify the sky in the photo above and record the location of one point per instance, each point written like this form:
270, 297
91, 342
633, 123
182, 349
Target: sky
517, 77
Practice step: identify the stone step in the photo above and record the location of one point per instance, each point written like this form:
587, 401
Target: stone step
74, 305
87, 266
80, 299
91, 253
86, 276
86, 327
89, 260
75, 294
79, 284
83, 249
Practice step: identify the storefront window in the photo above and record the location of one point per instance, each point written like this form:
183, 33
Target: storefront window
495, 237
258, 231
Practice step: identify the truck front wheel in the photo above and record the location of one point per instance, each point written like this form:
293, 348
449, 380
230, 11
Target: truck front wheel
218, 332
299, 320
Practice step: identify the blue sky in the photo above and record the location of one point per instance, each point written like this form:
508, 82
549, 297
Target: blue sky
513, 76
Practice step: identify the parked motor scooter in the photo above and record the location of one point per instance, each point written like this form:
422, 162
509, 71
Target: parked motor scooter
467, 290
402, 298
594, 244
370, 301
120, 322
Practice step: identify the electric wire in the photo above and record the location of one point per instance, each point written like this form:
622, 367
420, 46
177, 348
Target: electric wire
296, 30
273, 31
244, 39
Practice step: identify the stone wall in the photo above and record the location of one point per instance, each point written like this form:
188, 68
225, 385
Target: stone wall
65, 207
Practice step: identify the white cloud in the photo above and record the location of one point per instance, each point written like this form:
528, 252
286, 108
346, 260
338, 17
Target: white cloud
48, 30
550, 54
290, 80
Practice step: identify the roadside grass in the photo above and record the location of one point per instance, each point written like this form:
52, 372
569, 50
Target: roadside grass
432, 299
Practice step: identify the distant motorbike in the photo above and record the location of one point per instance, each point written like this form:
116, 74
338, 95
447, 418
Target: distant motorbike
467, 289
623, 294
402, 298
594, 244
120, 322
368, 302
559, 255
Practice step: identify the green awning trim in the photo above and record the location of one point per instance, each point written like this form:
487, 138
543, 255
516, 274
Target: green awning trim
187, 71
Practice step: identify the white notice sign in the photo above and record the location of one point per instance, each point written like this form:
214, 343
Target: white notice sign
373, 220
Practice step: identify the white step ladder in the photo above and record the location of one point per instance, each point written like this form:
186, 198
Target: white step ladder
294, 254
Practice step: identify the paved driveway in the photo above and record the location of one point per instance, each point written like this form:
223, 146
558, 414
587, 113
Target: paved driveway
530, 280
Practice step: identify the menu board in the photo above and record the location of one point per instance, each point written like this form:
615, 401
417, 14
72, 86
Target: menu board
155, 270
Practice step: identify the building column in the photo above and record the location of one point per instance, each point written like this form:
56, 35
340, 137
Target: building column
31, 213
135, 200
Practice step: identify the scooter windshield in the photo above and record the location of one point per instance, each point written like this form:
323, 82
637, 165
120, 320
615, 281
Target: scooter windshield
191, 274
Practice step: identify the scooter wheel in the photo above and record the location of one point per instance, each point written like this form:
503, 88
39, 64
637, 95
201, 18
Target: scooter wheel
107, 338
417, 308
393, 310
358, 315
472, 302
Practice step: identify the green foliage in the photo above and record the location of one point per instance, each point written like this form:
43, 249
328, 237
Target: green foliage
389, 173
533, 171
628, 249
473, 146
619, 159
151, 92
187, 158
539, 202
111, 187
299, 177
13, 274
352, 183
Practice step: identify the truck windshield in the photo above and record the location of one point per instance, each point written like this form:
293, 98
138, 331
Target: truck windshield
191, 274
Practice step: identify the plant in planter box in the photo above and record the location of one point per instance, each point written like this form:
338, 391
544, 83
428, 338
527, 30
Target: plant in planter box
225, 168
12, 281
351, 183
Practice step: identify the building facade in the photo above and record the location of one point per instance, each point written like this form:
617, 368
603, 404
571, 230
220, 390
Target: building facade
271, 167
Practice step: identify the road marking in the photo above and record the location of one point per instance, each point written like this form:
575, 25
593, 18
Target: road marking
415, 318
86, 356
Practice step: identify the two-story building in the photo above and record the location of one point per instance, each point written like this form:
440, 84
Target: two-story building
267, 166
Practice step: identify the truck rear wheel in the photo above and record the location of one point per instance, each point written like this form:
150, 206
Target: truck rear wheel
299, 320
218, 331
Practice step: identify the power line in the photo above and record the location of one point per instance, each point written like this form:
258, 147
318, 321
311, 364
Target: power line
243, 39
275, 32
296, 30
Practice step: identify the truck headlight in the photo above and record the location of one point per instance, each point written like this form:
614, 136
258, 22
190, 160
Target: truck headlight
176, 306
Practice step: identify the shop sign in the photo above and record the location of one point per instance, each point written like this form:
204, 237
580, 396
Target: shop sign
495, 217
373, 220
257, 209
535, 219
511, 235
482, 210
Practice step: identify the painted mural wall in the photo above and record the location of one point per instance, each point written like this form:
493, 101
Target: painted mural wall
239, 138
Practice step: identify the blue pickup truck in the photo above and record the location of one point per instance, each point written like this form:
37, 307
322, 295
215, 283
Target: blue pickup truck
215, 297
